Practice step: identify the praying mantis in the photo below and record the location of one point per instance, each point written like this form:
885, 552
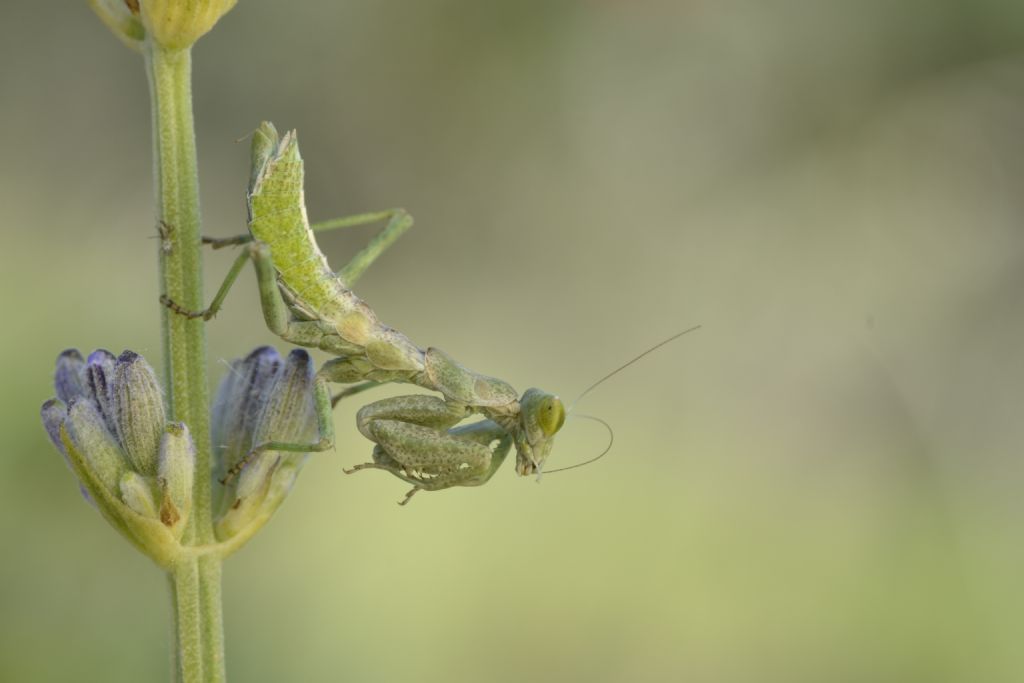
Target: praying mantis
306, 303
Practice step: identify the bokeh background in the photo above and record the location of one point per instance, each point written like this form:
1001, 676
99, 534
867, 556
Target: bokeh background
823, 484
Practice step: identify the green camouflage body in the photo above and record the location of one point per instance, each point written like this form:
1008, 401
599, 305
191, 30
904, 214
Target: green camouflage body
277, 217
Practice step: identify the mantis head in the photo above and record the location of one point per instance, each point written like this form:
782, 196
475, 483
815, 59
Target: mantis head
541, 415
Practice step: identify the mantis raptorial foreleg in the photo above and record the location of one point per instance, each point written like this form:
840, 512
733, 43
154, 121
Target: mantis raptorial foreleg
398, 221
415, 442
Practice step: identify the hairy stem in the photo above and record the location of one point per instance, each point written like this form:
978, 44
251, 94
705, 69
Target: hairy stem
195, 582
199, 632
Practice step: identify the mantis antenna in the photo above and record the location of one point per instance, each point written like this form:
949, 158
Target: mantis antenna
611, 433
628, 363
611, 440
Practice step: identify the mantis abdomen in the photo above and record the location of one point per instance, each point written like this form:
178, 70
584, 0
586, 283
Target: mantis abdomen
277, 217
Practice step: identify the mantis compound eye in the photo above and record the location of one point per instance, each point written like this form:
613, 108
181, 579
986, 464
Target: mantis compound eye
550, 415
542, 413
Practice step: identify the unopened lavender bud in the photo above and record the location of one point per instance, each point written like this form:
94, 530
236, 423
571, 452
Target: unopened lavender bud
54, 412
137, 493
89, 434
69, 379
99, 372
239, 404
288, 413
138, 410
176, 473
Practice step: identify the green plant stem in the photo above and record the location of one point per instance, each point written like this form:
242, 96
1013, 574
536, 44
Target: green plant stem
195, 582
199, 633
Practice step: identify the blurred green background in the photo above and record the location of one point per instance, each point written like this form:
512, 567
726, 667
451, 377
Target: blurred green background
823, 484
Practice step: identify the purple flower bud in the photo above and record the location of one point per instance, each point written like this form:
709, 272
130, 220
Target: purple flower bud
288, 413
284, 401
138, 410
99, 371
54, 412
90, 436
239, 403
69, 379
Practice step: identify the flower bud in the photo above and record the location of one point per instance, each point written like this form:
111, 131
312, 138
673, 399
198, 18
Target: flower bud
112, 412
238, 405
137, 493
88, 433
54, 412
69, 379
138, 410
179, 23
109, 424
286, 414
99, 372
176, 474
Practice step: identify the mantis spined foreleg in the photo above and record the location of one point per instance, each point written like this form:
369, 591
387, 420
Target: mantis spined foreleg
432, 456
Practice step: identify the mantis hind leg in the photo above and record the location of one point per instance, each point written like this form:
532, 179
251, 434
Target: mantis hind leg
398, 221
221, 242
276, 313
275, 310
218, 299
